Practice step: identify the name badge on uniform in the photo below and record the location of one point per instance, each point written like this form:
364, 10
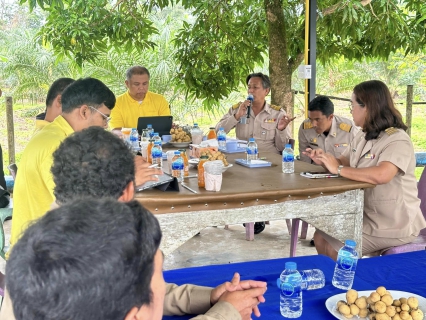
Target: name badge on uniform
369, 156
270, 120
263, 132
341, 145
313, 140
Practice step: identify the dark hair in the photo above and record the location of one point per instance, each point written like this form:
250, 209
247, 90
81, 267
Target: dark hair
323, 104
381, 112
266, 82
139, 70
57, 87
91, 259
89, 91
92, 162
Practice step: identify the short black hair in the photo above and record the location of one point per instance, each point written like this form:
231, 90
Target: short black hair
139, 70
266, 82
57, 87
91, 259
89, 91
323, 104
92, 162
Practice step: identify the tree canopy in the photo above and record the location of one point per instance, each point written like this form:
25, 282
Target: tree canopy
221, 41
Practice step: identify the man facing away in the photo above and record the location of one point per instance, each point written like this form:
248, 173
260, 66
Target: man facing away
96, 163
267, 124
137, 101
324, 130
53, 103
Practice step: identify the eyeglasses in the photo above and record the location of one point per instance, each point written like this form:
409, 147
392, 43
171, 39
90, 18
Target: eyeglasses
351, 106
106, 118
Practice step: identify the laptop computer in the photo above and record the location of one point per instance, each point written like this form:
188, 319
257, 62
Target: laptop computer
162, 179
160, 124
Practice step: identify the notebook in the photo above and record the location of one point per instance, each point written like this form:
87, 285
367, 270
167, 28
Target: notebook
160, 124
164, 181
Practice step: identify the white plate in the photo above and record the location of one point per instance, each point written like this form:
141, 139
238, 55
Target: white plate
180, 144
332, 301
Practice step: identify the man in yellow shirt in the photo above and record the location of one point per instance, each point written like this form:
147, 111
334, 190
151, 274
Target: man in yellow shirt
53, 103
137, 101
85, 103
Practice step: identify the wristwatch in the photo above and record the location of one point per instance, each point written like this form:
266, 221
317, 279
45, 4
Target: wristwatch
339, 168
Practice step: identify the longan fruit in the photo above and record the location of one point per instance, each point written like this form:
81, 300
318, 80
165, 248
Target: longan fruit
403, 300
381, 290
413, 302
369, 300
396, 303
387, 299
354, 309
339, 303
382, 316
404, 315
390, 311
361, 303
363, 313
405, 307
372, 316
417, 314
374, 296
380, 307
396, 317
348, 316
351, 296
398, 309
344, 309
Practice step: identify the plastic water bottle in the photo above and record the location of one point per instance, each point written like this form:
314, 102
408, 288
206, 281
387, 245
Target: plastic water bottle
344, 272
291, 291
150, 130
156, 137
288, 159
311, 279
134, 138
178, 166
251, 150
221, 138
196, 134
157, 154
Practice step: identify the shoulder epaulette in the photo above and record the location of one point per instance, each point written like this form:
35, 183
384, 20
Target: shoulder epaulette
307, 125
275, 107
391, 130
345, 127
235, 106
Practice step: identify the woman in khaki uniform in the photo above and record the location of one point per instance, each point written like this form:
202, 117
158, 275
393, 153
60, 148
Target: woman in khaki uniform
382, 154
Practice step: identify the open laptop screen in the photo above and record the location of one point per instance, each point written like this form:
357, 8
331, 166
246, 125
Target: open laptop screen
160, 124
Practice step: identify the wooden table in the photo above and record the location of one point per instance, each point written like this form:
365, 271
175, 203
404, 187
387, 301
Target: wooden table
333, 205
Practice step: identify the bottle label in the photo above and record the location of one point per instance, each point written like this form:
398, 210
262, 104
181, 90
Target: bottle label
157, 153
287, 288
251, 151
221, 138
177, 165
287, 157
346, 263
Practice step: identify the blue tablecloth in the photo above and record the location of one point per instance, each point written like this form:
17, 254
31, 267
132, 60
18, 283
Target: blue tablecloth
404, 272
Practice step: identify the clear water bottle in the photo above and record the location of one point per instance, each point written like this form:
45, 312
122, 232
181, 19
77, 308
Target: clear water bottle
251, 150
150, 130
134, 138
311, 279
156, 137
221, 138
291, 291
178, 166
288, 159
157, 154
344, 272
196, 134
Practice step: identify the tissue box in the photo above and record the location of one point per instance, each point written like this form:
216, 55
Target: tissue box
195, 150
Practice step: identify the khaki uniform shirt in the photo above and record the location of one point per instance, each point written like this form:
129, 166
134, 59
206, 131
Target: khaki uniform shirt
341, 133
179, 300
391, 210
263, 128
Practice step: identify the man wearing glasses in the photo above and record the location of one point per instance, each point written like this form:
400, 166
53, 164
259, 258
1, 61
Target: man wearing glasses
325, 130
85, 103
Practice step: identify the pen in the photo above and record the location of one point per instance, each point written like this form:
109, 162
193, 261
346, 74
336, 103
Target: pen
186, 187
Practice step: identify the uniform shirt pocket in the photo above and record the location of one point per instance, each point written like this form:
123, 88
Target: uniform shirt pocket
267, 130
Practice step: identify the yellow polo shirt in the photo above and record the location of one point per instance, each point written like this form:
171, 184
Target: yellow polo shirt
127, 110
40, 124
33, 190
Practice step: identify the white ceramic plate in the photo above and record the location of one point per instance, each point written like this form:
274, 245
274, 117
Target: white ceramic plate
180, 144
332, 301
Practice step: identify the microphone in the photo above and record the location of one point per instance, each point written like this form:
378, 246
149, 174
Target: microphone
249, 98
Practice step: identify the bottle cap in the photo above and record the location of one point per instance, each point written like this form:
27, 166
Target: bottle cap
204, 157
149, 125
195, 124
221, 128
350, 243
212, 128
251, 139
288, 145
157, 143
155, 134
177, 152
291, 265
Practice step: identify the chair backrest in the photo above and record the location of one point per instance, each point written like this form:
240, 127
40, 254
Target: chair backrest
421, 186
2, 282
292, 142
13, 169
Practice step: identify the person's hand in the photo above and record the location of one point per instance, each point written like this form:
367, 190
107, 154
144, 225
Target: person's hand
143, 173
283, 122
245, 301
242, 109
329, 161
313, 154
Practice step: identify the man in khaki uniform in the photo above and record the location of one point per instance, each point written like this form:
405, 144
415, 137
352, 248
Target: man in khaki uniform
267, 124
113, 176
324, 130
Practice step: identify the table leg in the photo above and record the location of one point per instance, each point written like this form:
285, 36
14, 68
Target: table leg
249, 231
